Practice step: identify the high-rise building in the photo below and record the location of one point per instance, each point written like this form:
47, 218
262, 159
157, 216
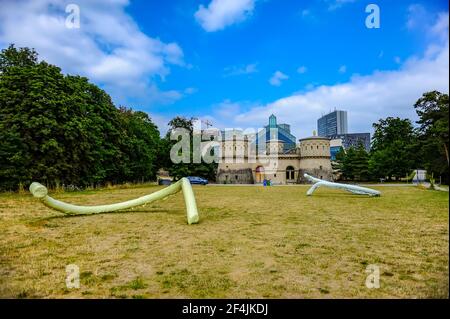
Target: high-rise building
333, 123
282, 132
353, 140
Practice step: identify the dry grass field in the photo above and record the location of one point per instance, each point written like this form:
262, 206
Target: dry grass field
251, 242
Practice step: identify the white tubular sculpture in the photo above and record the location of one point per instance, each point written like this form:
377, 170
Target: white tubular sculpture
350, 188
40, 191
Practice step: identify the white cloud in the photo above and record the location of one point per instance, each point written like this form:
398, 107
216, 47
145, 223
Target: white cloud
277, 77
227, 109
190, 90
305, 12
302, 69
366, 98
162, 122
417, 17
240, 70
440, 28
336, 4
108, 47
342, 69
222, 13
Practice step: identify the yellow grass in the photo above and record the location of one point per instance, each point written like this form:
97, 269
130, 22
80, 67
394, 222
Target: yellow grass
251, 242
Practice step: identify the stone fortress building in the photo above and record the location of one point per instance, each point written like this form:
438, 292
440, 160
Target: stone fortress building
273, 154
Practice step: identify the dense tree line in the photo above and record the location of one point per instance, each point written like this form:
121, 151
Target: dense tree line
398, 147
63, 130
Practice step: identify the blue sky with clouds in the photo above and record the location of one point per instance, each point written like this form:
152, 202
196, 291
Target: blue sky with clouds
235, 62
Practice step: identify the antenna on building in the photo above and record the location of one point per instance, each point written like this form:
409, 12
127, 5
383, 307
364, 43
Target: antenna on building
207, 123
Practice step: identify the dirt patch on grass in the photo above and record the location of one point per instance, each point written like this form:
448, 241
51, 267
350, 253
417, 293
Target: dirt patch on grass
251, 242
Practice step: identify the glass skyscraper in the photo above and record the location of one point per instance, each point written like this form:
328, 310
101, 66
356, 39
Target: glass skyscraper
333, 123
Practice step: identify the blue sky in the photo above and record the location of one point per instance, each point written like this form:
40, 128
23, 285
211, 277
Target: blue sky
236, 61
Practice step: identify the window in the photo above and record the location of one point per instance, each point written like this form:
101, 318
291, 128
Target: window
290, 173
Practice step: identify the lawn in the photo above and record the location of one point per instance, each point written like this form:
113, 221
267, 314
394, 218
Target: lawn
251, 242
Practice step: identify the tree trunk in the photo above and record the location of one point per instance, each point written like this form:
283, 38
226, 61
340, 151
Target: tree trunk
446, 152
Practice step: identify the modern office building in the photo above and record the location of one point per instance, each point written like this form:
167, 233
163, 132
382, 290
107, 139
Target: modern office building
335, 147
277, 131
335, 126
353, 140
332, 124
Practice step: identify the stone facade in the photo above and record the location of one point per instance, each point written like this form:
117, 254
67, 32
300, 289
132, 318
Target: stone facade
311, 155
235, 176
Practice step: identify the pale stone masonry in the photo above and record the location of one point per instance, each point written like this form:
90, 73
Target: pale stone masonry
239, 165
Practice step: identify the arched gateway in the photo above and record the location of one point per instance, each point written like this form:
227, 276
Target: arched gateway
259, 174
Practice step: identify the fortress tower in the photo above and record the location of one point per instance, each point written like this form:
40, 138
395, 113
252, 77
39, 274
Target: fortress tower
315, 157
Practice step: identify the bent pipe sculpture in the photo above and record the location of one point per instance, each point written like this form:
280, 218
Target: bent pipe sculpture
350, 188
40, 191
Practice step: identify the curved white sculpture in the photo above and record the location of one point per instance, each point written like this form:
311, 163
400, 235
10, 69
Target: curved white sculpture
40, 191
350, 188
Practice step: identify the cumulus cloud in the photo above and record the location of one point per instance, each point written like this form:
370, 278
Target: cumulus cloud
366, 98
108, 47
277, 78
222, 13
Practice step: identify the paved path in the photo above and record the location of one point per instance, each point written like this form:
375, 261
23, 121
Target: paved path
436, 187
427, 185
296, 185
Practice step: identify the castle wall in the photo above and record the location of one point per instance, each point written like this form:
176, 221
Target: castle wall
235, 176
311, 156
273, 170
315, 158
317, 167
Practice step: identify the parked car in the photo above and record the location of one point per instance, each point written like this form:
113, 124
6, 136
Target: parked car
197, 180
164, 181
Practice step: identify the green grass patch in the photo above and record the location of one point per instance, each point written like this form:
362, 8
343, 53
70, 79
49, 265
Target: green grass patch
251, 242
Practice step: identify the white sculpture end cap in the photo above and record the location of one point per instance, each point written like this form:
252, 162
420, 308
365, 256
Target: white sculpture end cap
38, 190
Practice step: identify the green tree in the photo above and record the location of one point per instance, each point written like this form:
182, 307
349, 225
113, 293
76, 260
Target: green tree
142, 145
338, 163
394, 148
21, 57
433, 111
353, 163
178, 170
360, 163
60, 129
